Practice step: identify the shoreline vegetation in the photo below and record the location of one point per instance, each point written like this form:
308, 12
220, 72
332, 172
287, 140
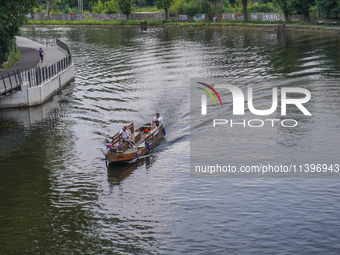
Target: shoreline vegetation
16, 12
13, 58
167, 23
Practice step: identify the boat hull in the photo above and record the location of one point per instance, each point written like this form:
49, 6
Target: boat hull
131, 153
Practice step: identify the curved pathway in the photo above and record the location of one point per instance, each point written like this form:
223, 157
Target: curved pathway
29, 59
30, 55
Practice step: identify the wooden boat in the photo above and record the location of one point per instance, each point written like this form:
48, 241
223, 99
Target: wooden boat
144, 138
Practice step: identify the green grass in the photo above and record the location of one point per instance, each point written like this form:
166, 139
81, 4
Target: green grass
13, 58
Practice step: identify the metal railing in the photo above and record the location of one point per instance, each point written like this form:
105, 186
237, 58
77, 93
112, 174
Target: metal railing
38, 75
10, 83
64, 46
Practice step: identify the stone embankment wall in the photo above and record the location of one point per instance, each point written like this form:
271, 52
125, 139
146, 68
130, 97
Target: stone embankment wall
39, 84
36, 95
160, 16
99, 16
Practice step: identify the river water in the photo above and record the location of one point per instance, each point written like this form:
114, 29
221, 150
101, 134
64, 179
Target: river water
58, 197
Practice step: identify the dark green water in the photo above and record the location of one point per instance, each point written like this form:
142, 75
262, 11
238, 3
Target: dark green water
57, 197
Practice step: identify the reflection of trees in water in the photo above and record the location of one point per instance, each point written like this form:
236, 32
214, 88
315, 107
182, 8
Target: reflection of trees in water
301, 52
112, 37
27, 199
11, 134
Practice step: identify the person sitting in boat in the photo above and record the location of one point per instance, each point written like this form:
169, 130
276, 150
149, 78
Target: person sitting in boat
158, 120
127, 136
153, 128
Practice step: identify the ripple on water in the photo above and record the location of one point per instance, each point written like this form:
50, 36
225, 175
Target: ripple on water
64, 200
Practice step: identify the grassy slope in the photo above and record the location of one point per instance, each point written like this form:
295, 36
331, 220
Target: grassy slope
13, 58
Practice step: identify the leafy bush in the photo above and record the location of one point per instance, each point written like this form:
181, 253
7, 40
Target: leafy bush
98, 7
269, 7
186, 7
12, 57
330, 7
146, 9
40, 8
67, 9
108, 7
175, 5
230, 9
190, 8
111, 6
166, 21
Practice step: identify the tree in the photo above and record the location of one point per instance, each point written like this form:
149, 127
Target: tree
111, 6
98, 7
330, 7
150, 2
12, 17
71, 3
245, 13
164, 4
88, 4
49, 6
210, 7
125, 7
302, 7
286, 7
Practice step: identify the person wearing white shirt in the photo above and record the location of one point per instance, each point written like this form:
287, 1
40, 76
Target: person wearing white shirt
158, 120
126, 136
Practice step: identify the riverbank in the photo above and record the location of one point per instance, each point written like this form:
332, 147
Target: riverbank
14, 57
29, 57
301, 26
31, 81
57, 196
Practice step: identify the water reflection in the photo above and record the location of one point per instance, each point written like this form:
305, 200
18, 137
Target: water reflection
56, 195
118, 172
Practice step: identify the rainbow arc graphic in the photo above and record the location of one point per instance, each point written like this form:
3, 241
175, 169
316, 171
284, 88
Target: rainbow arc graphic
209, 93
204, 98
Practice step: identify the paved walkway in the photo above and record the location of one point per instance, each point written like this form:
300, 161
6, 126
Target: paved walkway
29, 59
30, 55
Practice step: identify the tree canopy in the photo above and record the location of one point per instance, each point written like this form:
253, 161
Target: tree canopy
210, 7
165, 5
330, 7
12, 17
302, 7
125, 7
111, 6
